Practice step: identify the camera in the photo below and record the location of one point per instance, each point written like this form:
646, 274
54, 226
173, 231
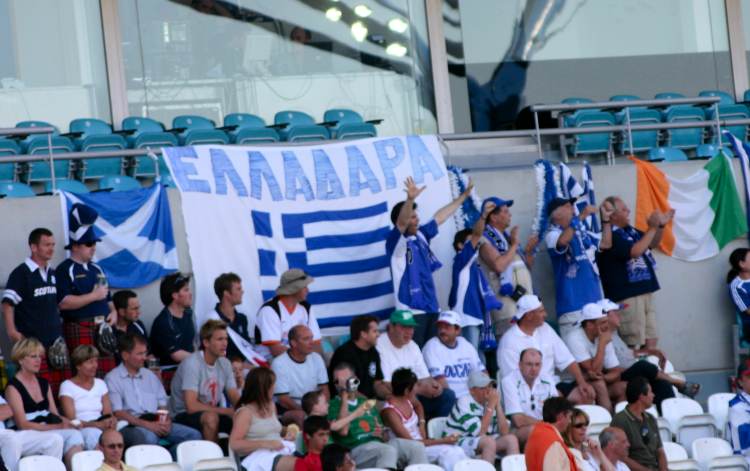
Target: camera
517, 293
352, 384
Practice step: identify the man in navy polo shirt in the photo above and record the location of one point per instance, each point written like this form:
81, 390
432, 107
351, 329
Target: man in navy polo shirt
82, 289
412, 261
173, 330
228, 288
30, 301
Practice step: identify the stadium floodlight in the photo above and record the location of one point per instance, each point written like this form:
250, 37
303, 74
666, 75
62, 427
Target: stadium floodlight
333, 14
362, 11
359, 31
396, 49
397, 25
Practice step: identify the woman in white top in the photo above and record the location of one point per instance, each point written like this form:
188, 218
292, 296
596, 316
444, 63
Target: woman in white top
589, 455
404, 415
85, 398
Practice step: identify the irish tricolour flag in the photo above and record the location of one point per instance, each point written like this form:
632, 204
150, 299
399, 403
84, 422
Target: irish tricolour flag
708, 213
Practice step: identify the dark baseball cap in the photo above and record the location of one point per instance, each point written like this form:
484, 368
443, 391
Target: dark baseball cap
557, 202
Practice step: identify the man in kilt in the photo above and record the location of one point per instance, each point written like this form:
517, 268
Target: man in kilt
83, 292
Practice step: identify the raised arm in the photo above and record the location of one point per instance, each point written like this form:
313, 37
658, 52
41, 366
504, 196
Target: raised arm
446, 211
404, 216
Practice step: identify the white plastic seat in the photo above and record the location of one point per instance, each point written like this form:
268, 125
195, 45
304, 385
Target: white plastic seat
674, 451
687, 420
513, 463
665, 431
480, 465
436, 427
728, 463
202, 455
140, 456
423, 467
718, 407
684, 465
87, 460
162, 467
713, 452
35, 463
620, 406
599, 418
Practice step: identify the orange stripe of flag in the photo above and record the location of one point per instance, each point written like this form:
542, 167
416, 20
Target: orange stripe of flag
652, 195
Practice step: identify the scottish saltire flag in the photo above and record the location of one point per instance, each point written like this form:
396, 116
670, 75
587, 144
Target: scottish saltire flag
741, 150
135, 227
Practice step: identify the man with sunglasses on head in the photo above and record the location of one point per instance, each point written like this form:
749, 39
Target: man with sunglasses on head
112, 445
646, 450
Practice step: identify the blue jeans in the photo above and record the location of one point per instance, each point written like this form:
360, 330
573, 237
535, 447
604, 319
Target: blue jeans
438, 406
142, 436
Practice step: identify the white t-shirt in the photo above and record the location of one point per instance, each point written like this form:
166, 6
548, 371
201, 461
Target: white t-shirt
296, 379
88, 403
454, 364
583, 349
554, 352
519, 398
408, 356
274, 328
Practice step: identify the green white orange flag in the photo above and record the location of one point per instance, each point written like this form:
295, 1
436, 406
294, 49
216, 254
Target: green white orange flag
708, 213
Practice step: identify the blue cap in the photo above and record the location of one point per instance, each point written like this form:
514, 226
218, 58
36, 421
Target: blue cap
498, 202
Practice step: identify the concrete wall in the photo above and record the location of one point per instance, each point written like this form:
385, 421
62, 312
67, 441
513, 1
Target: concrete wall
694, 311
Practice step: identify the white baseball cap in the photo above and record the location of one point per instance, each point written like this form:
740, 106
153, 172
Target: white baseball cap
450, 317
527, 303
608, 305
592, 312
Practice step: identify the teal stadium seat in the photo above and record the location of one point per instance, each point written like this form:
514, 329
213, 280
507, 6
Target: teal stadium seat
724, 97
628, 98
668, 95
297, 126
669, 154
95, 135
37, 144
569, 116
642, 140
730, 111
197, 130
348, 124
245, 128
16, 190
66, 184
687, 138
147, 133
119, 183
596, 143
8, 148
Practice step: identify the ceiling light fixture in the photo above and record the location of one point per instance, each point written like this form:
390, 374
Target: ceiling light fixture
396, 49
397, 25
362, 11
359, 31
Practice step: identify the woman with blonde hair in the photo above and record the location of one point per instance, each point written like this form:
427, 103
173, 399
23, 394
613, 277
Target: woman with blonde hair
589, 455
30, 398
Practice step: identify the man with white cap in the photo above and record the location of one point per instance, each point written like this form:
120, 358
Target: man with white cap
530, 331
285, 310
450, 358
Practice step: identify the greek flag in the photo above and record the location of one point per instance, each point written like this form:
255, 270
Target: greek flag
135, 227
741, 150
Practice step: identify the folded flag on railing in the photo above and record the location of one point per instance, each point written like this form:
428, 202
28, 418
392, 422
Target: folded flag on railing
741, 150
135, 227
708, 213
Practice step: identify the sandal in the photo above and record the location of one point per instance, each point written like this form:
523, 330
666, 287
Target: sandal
690, 389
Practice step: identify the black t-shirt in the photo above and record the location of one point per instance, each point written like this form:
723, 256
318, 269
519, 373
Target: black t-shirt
623, 276
170, 334
366, 365
239, 325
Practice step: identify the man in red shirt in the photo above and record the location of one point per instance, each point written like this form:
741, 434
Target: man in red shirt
317, 432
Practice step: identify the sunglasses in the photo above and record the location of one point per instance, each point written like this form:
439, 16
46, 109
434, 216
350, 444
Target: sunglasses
113, 446
581, 425
90, 244
533, 403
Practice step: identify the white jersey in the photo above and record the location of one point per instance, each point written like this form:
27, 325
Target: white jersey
519, 398
273, 327
555, 353
452, 363
584, 349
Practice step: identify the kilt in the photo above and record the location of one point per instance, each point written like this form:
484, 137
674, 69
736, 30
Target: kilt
54, 377
83, 333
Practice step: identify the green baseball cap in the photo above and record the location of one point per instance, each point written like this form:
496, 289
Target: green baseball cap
403, 317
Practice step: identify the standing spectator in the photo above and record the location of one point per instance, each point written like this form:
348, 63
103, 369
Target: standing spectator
336, 458
288, 308
588, 453
398, 350
30, 303
530, 331
201, 381
360, 352
138, 397
627, 270
82, 289
739, 414
571, 248
412, 261
470, 292
228, 288
615, 445
173, 330
298, 370
30, 398
646, 450
85, 397
128, 309
507, 269
450, 358
15, 444
403, 415
365, 437
479, 420
112, 446
546, 450
524, 392
738, 280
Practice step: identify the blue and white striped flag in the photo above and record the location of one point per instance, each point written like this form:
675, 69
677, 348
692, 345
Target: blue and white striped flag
741, 150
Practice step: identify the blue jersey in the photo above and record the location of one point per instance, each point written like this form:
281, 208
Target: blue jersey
78, 279
470, 291
412, 264
170, 334
739, 289
739, 424
576, 275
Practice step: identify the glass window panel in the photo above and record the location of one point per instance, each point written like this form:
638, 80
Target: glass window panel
504, 56
211, 58
52, 65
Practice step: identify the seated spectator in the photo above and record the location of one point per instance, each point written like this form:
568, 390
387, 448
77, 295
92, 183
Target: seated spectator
15, 444
470, 292
530, 331
524, 392
257, 433
615, 446
587, 451
298, 370
316, 432
128, 314
85, 397
200, 383
138, 397
173, 331
288, 308
317, 403
360, 352
450, 358
739, 414
30, 399
641, 428
365, 437
738, 279
546, 450
398, 350
240, 371
403, 415
228, 288
336, 458
112, 445
479, 420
